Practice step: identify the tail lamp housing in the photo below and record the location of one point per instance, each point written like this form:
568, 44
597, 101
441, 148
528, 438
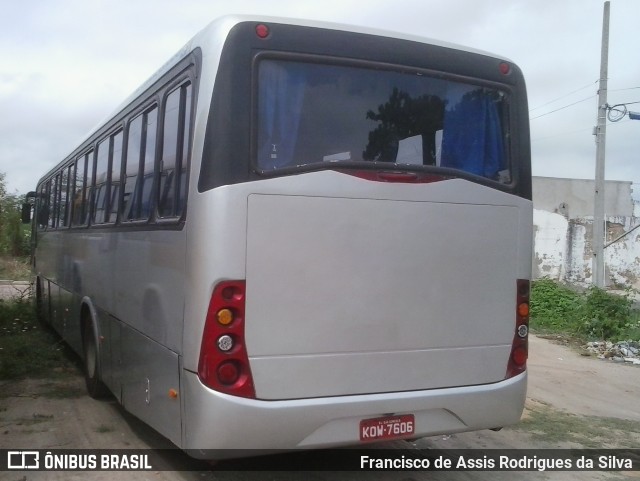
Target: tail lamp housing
224, 363
520, 346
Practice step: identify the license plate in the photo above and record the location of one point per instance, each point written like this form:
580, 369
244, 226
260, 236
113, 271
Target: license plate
390, 427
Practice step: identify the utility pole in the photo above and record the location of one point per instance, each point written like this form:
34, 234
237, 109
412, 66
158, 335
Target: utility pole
601, 135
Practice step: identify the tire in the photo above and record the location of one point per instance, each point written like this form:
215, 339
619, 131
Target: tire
95, 387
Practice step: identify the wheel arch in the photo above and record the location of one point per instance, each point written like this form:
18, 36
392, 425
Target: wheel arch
89, 318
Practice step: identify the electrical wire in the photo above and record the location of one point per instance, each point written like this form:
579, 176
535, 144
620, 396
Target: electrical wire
616, 113
623, 90
564, 96
562, 108
563, 134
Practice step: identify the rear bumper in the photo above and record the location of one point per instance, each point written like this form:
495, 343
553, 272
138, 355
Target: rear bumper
214, 422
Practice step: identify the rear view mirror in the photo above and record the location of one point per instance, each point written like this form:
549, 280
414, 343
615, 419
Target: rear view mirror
26, 208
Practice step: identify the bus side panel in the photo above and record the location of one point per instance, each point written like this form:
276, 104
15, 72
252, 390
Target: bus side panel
151, 372
146, 276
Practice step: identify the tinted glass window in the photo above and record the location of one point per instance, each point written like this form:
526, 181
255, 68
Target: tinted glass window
62, 197
102, 177
89, 189
315, 113
148, 161
169, 154
116, 170
79, 191
175, 143
132, 169
139, 166
71, 172
182, 193
53, 202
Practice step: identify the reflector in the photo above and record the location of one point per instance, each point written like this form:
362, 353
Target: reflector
262, 31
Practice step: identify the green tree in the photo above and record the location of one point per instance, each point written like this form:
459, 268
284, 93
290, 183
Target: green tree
14, 236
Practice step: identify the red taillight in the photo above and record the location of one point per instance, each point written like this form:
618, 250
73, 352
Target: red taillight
520, 346
505, 68
224, 363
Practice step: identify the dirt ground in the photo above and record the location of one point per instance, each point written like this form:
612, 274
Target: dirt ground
573, 401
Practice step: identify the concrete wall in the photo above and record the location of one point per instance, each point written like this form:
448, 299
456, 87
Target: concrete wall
563, 221
573, 198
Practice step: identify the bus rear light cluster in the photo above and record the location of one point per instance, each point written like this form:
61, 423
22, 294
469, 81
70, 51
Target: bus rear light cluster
224, 363
520, 346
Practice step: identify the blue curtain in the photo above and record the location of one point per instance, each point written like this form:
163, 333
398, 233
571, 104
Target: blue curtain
472, 137
281, 93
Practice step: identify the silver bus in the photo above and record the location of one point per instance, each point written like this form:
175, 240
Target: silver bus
299, 235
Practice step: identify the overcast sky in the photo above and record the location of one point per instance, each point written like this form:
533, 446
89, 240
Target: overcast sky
66, 64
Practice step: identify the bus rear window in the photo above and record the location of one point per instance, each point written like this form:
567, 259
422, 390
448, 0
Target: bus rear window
314, 113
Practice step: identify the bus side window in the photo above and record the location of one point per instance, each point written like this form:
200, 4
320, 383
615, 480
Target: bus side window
116, 169
131, 169
71, 173
177, 116
148, 161
102, 177
139, 166
88, 190
78, 191
53, 202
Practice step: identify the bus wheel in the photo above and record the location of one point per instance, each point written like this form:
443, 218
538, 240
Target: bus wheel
95, 387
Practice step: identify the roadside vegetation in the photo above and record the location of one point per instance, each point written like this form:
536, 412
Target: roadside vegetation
27, 348
592, 315
15, 237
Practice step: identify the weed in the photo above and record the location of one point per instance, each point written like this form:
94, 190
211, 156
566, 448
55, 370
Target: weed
27, 349
554, 307
104, 429
594, 314
15, 268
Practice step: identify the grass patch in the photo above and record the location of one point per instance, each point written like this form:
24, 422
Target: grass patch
15, 268
549, 426
27, 348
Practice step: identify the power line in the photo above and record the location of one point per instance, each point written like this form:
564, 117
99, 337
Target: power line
563, 96
572, 132
622, 90
562, 108
617, 112
561, 134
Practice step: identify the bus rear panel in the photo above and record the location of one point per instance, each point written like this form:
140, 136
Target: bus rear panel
377, 225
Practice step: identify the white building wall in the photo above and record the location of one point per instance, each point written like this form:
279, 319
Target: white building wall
562, 242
